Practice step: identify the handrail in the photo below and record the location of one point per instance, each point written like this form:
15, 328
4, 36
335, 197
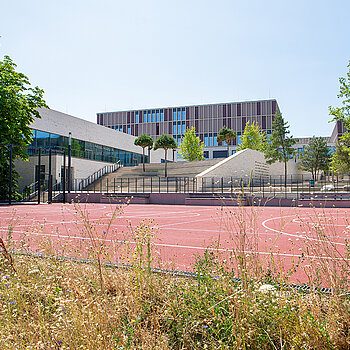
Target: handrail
79, 184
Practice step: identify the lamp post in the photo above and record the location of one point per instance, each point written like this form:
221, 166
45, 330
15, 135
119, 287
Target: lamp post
69, 160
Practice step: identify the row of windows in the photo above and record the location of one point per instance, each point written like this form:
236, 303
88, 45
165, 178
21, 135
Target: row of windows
84, 149
153, 116
179, 128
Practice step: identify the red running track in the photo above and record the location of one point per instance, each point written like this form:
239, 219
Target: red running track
288, 236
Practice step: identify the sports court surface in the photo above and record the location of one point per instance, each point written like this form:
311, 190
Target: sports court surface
287, 235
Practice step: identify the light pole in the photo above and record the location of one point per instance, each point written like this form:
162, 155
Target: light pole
69, 160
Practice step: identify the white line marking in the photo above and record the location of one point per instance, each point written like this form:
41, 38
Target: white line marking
167, 245
292, 234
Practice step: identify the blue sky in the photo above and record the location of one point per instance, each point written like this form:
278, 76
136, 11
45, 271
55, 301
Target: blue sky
95, 56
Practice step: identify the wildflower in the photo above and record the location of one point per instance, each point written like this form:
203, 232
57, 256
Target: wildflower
205, 326
7, 285
7, 276
12, 302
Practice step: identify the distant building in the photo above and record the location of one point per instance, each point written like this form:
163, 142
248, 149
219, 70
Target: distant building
207, 120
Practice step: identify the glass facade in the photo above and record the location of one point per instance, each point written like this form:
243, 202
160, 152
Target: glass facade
84, 149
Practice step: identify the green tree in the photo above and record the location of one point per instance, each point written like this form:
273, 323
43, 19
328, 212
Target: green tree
253, 138
18, 108
191, 147
279, 147
316, 157
343, 113
144, 141
226, 135
340, 161
341, 157
166, 142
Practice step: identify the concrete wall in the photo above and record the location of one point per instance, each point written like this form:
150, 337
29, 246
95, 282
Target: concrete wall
242, 163
81, 168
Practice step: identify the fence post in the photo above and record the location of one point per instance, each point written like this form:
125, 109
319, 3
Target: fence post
113, 185
107, 185
10, 177
39, 176
297, 188
128, 185
49, 199
136, 184
64, 177
159, 184
222, 185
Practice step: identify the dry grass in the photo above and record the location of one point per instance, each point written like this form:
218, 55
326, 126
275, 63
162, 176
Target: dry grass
60, 304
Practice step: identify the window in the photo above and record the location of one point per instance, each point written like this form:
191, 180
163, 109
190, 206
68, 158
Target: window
174, 128
145, 116
136, 117
211, 140
179, 128
206, 140
157, 113
153, 116
183, 114
183, 127
129, 130
179, 114
42, 139
215, 139
162, 116
174, 114
149, 116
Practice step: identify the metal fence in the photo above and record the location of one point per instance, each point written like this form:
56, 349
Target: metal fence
267, 186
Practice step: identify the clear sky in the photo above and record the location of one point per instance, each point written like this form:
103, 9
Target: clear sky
95, 56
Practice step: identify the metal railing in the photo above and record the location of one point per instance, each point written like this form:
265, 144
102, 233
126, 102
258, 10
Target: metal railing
297, 187
80, 184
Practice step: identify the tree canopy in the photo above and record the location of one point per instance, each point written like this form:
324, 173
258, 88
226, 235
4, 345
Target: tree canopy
191, 147
340, 161
343, 113
144, 141
341, 157
18, 108
226, 135
279, 147
316, 157
253, 138
166, 142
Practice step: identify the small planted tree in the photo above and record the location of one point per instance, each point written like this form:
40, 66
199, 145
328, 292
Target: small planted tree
279, 148
191, 147
343, 113
144, 141
340, 161
253, 138
226, 135
341, 157
316, 157
166, 142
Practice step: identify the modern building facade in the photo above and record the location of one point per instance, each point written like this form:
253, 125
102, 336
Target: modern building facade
206, 119
93, 148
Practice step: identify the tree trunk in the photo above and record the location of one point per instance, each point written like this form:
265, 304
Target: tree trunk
165, 171
143, 158
285, 173
228, 149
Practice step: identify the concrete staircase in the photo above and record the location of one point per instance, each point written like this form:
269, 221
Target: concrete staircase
178, 169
